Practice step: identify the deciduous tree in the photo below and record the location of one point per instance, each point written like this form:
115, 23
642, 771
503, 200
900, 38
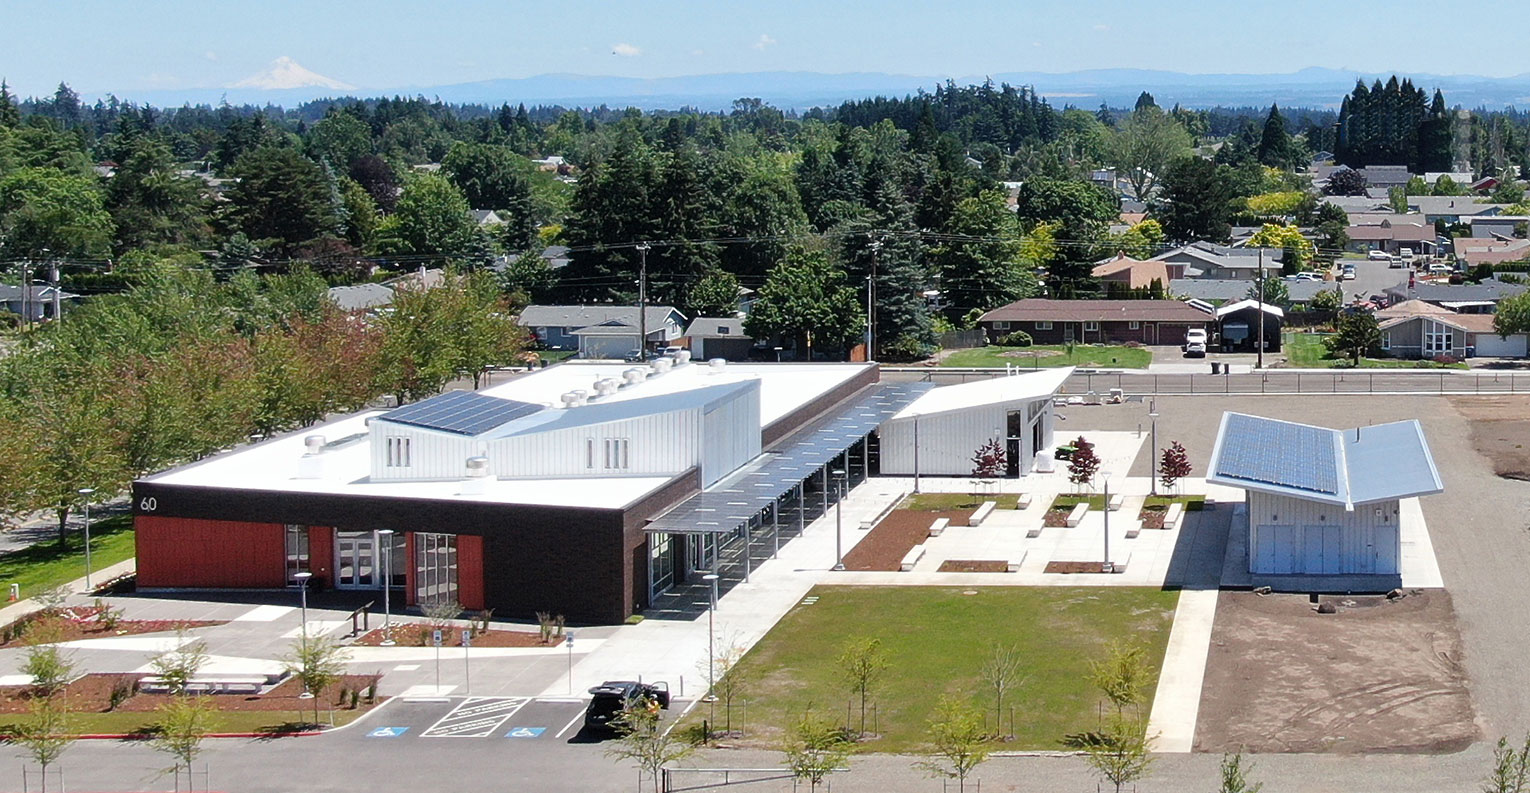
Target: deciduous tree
805, 298
959, 741
814, 747
1357, 334
1173, 465
862, 664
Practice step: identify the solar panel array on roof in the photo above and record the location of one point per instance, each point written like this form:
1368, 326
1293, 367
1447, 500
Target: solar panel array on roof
1279, 453
739, 498
461, 412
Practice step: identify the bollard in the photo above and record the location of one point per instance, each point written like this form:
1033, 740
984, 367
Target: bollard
15, 592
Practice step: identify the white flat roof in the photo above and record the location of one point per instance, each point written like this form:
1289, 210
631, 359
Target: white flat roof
1037, 384
273, 465
784, 387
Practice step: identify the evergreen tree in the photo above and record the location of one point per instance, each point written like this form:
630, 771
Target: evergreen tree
1275, 142
281, 196
10, 117
1196, 201
612, 206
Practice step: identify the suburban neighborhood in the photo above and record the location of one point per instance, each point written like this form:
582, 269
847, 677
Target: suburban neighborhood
688, 412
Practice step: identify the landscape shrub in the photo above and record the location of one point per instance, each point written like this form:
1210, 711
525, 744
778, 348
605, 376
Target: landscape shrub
1017, 338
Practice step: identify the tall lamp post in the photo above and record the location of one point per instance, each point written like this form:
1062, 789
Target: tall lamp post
1105, 567
711, 578
1153, 468
387, 579
302, 579
839, 493
85, 493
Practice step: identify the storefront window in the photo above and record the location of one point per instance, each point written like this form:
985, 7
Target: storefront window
435, 567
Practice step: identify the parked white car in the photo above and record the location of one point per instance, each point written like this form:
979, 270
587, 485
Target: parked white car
1195, 337
1378, 256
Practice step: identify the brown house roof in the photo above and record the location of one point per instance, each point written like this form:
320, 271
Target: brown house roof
1139, 274
1044, 310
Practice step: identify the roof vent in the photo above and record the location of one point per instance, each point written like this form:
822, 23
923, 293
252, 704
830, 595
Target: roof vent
682, 357
635, 375
581, 395
570, 399
477, 482
718, 364
661, 365
607, 386
311, 464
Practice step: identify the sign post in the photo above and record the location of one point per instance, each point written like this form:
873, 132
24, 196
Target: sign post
568, 639
435, 638
467, 673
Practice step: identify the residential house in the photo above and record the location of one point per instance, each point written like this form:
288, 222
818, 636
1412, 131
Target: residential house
1325, 502
1209, 260
719, 337
1385, 177
360, 297
1502, 226
1482, 297
1485, 184
1463, 178
1096, 321
1238, 326
1136, 273
1451, 209
486, 218
36, 302
1474, 251
555, 256
555, 326
1218, 292
1392, 237
1427, 334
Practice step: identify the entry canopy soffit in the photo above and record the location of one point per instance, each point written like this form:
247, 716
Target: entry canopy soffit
736, 500
1381, 462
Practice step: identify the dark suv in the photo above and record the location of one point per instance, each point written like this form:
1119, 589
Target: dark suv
608, 699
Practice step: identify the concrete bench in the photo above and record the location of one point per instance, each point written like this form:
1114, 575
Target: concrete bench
1014, 564
1033, 532
1120, 567
911, 558
939, 526
1079, 511
982, 513
1024, 502
232, 684
1115, 502
1131, 533
1174, 514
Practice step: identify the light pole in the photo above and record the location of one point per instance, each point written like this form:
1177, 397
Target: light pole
711, 578
871, 306
1105, 567
302, 579
1153, 469
86, 492
839, 493
387, 579
642, 249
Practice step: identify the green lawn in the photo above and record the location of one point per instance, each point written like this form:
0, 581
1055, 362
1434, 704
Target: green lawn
556, 356
1192, 503
942, 502
44, 565
936, 640
1307, 351
1045, 355
1096, 501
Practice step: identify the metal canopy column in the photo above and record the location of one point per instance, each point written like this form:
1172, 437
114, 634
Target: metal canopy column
775, 528
801, 507
825, 471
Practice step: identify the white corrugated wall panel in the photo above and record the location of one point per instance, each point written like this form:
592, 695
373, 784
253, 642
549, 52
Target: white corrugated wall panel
432, 455
1280, 527
656, 443
947, 441
730, 435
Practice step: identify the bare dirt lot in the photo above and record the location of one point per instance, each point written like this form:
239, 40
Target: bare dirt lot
1500, 431
1378, 676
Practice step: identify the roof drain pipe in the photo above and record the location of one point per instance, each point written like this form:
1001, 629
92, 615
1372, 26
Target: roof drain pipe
477, 482
311, 464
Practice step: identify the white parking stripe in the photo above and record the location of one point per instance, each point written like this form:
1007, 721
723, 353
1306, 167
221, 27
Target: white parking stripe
577, 717
475, 717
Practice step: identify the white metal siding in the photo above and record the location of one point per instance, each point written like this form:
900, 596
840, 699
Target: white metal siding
660, 443
1296, 536
947, 441
432, 455
730, 435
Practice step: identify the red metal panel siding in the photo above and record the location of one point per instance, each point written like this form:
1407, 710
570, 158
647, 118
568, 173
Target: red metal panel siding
210, 554
470, 571
321, 554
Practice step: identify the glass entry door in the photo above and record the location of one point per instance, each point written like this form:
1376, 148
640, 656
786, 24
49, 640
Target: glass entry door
356, 560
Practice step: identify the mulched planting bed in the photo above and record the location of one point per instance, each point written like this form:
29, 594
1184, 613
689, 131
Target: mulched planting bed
1151, 518
82, 622
974, 566
1074, 567
884, 548
415, 635
92, 694
1056, 518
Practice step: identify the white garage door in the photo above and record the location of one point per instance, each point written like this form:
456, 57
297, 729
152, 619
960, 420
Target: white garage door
1491, 345
607, 346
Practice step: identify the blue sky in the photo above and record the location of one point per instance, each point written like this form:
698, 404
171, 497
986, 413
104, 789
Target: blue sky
120, 46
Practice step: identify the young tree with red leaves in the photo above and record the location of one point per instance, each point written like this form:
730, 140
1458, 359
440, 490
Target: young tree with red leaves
1083, 464
989, 462
1174, 466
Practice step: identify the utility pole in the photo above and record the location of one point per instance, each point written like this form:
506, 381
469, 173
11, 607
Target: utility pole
871, 304
53, 277
1260, 297
642, 249
26, 287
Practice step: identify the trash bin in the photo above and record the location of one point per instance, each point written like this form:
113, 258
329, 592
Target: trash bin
1216, 368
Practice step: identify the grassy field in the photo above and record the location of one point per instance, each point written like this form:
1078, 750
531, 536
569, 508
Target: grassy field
45, 565
936, 640
1192, 503
1046, 355
1307, 351
1096, 501
941, 502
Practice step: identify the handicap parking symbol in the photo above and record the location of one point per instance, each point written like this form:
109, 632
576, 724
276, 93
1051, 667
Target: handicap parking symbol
387, 732
525, 732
